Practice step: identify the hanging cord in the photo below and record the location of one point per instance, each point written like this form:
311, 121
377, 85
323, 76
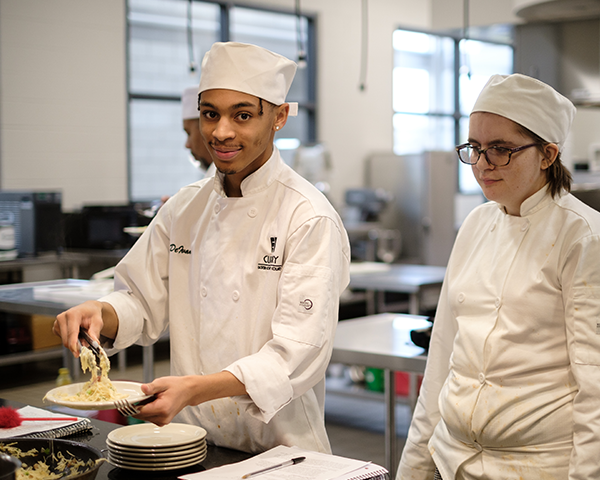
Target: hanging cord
190, 39
300, 37
364, 46
466, 35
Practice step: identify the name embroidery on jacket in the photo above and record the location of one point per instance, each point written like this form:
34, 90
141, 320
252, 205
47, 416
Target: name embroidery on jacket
179, 249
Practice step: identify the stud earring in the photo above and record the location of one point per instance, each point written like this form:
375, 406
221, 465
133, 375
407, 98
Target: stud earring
277, 127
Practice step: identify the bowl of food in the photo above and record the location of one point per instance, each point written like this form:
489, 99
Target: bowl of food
42, 457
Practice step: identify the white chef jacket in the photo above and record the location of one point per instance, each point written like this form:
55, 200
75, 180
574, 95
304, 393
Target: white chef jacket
210, 171
249, 285
512, 384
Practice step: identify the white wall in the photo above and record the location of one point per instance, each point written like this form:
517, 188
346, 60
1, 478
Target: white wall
63, 91
450, 14
63, 99
355, 123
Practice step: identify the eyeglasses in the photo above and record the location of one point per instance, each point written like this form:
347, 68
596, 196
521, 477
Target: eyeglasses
494, 155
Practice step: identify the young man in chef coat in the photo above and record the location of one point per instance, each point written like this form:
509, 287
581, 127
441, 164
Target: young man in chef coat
191, 125
245, 269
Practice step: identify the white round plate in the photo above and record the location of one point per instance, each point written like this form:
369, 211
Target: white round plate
135, 231
152, 449
156, 460
57, 395
148, 435
155, 453
154, 467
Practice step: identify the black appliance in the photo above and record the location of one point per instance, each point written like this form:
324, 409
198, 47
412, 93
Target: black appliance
37, 220
102, 227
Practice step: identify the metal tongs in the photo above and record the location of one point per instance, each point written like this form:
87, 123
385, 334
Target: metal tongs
93, 344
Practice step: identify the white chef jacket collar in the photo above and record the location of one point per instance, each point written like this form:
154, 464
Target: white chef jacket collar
534, 203
256, 181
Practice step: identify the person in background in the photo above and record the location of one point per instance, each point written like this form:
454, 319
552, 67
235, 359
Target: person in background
245, 269
200, 156
512, 381
191, 125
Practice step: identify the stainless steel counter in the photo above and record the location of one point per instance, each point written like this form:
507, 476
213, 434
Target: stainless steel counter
414, 280
383, 341
20, 298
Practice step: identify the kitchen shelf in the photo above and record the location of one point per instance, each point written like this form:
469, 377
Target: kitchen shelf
347, 388
30, 356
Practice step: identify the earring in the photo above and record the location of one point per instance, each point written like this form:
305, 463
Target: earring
277, 127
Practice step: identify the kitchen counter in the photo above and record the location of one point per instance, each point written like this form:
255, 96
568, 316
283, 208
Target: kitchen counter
215, 457
414, 280
383, 341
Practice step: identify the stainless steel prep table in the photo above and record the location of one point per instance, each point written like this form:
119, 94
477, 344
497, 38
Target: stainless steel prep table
414, 280
19, 298
383, 341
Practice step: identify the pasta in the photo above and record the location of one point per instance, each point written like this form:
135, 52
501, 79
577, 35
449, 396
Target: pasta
41, 470
99, 388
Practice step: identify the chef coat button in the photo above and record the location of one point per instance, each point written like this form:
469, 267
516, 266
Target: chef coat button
525, 225
235, 295
252, 212
498, 302
478, 447
217, 208
493, 227
481, 378
203, 291
461, 297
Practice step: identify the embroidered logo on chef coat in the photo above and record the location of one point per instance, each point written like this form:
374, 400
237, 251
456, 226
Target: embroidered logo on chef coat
305, 305
270, 261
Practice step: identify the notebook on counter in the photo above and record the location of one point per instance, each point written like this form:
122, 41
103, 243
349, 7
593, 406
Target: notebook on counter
315, 466
45, 429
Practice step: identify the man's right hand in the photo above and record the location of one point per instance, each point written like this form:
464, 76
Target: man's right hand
96, 317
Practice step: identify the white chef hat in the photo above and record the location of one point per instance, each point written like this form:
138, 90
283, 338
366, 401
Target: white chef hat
189, 104
528, 102
248, 69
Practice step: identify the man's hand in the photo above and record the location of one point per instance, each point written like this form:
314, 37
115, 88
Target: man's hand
173, 394
96, 317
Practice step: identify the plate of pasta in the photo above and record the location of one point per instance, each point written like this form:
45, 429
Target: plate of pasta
100, 393
102, 397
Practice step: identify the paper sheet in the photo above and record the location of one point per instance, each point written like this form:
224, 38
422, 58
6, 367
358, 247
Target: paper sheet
317, 466
29, 427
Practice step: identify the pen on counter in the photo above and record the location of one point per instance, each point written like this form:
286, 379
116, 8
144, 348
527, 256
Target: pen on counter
293, 461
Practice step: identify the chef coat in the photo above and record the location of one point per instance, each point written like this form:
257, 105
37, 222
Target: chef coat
249, 285
512, 383
210, 171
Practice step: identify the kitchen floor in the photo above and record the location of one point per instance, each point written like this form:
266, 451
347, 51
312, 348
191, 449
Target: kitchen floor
355, 425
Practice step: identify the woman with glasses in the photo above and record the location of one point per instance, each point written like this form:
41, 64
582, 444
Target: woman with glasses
512, 385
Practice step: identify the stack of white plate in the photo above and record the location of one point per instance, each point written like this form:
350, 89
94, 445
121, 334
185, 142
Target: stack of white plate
150, 448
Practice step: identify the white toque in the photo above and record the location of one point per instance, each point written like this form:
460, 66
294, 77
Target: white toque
530, 103
189, 104
248, 69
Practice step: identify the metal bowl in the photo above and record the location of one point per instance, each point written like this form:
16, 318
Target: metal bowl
68, 448
8, 467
